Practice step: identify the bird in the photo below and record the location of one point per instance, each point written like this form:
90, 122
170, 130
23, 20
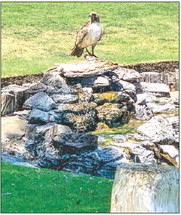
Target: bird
88, 35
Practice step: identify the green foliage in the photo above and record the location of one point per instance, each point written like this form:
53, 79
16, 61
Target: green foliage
27, 190
38, 35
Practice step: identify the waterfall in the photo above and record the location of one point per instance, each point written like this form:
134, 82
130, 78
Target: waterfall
145, 188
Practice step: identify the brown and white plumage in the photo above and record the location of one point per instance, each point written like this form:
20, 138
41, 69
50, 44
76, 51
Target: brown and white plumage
88, 35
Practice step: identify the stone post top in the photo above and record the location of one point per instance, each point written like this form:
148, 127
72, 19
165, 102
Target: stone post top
146, 168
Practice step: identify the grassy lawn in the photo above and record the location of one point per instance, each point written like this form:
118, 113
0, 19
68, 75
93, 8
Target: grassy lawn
38, 35
27, 190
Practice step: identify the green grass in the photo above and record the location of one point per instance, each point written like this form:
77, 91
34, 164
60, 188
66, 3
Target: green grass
38, 35
27, 190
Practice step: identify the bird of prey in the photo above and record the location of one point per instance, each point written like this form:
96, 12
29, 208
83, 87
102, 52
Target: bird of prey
88, 35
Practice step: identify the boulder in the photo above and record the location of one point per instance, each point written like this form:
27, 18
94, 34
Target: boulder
19, 95
53, 79
101, 98
13, 128
81, 117
38, 117
138, 153
159, 108
33, 88
151, 77
157, 89
85, 68
75, 143
143, 112
108, 154
172, 152
108, 170
127, 85
101, 81
85, 96
159, 130
113, 97
40, 101
38, 135
80, 164
113, 114
80, 122
39, 144
17, 161
126, 74
7, 103
65, 98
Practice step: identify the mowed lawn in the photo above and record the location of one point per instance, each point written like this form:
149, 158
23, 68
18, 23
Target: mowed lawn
28, 190
39, 35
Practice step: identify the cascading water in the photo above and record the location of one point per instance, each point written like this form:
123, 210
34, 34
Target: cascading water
145, 189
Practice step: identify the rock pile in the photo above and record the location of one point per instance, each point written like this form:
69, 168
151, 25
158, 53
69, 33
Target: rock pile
73, 99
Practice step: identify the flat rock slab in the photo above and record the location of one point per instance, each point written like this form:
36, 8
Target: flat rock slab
155, 88
85, 68
13, 127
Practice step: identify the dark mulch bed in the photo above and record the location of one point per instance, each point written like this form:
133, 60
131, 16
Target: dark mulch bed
19, 80
165, 66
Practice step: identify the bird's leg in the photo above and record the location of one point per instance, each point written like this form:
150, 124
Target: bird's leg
93, 46
88, 51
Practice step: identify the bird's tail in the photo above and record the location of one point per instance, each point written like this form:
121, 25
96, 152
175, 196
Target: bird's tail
76, 51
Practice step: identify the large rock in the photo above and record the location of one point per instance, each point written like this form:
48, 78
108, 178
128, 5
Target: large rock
85, 68
155, 89
38, 135
113, 97
107, 154
159, 108
80, 164
151, 77
138, 153
38, 117
171, 152
53, 79
39, 143
125, 74
19, 95
85, 96
7, 103
75, 143
159, 130
127, 85
65, 98
40, 101
54, 145
81, 117
101, 81
101, 162
143, 112
13, 127
33, 88
113, 114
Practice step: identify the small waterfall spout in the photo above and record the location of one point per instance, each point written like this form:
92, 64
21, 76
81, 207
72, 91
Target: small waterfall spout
145, 188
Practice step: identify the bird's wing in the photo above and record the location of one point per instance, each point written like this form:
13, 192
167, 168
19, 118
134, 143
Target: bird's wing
82, 33
102, 33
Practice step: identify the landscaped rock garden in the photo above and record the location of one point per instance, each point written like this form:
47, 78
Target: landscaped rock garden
60, 111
